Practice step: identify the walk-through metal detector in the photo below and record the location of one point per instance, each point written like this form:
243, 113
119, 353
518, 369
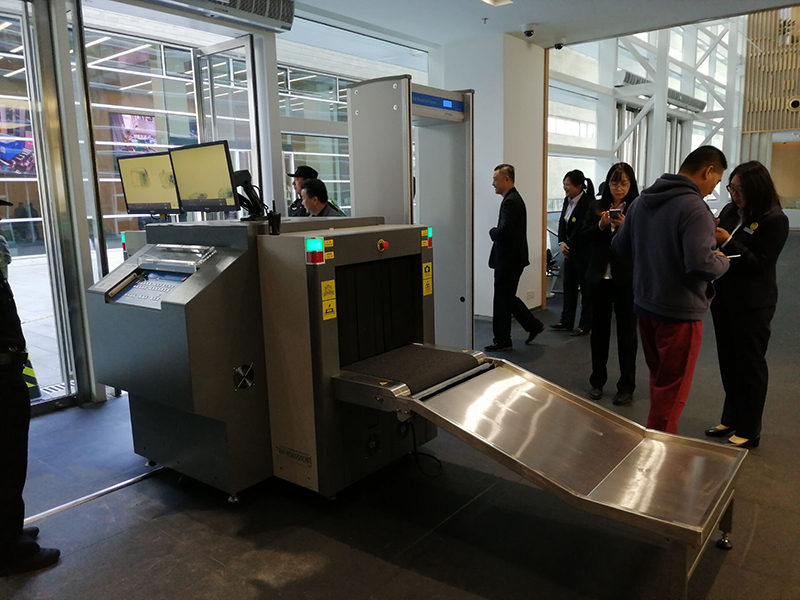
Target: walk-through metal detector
411, 162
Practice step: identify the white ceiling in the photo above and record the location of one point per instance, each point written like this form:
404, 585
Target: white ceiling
432, 23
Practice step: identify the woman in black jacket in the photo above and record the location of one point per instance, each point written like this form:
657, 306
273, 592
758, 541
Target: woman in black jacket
611, 284
752, 231
580, 194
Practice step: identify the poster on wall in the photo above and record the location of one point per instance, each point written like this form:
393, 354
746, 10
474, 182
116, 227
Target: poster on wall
16, 142
133, 129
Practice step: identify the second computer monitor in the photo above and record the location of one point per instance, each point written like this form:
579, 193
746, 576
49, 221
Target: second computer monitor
204, 177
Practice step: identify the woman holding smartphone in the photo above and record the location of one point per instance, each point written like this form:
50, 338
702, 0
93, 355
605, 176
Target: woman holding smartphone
611, 284
752, 231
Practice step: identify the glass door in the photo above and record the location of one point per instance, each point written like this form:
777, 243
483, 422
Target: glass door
226, 104
28, 248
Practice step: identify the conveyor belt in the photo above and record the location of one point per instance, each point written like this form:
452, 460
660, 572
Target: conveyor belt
419, 367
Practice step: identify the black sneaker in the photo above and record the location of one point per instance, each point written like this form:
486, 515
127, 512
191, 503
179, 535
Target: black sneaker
497, 347
596, 393
45, 557
31, 532
560, 326
622, 398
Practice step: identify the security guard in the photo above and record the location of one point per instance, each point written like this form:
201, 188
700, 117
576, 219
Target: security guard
19, 551
301, 174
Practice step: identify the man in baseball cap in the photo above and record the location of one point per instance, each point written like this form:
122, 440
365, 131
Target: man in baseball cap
301, 174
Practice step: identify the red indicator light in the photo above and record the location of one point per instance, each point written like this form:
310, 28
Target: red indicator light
430, 242
315, 258
383, 245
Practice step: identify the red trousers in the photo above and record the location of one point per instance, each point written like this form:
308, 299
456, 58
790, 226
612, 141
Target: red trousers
670, 350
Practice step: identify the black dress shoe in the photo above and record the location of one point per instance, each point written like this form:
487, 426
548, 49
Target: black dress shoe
560, 326
44, 557
714, 432
578, 332
622, 398
31, 532
751, 443
497, 347
532, 335
596, 393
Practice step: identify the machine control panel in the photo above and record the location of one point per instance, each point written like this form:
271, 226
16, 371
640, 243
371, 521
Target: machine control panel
149, 288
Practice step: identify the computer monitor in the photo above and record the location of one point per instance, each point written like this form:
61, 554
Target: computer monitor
148, 184
204, 177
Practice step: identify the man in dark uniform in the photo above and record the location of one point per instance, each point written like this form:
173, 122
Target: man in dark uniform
301, 175
315, 199
508, 258
19, 551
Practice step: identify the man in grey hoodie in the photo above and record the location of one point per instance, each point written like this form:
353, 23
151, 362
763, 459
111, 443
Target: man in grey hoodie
668, 236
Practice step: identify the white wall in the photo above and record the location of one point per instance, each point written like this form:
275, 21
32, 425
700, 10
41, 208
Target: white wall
524, 147
507, 75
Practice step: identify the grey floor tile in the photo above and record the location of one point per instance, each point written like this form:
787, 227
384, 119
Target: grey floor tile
137, 564
306, 564
408, 585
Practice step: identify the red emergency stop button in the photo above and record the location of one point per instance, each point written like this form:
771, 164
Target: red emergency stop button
383, 245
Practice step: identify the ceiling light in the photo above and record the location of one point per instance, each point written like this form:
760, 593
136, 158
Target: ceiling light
4, 25
118, 54
100, 40
12, 73
499, 2
17, 49
129, 87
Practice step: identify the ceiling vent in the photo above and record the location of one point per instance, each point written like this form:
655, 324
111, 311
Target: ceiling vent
675, 98
273, 15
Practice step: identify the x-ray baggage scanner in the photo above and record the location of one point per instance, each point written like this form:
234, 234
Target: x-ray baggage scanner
411, 162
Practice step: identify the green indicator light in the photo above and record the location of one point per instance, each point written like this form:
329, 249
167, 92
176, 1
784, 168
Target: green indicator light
430, 232
123, 237
314, 245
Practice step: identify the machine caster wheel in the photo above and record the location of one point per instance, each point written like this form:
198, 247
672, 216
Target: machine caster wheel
724, 543
233, 499
181, 479
150, 463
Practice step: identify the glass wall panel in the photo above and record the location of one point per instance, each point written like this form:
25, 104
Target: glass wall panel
140, 103
572, 119
328, 155
26, 252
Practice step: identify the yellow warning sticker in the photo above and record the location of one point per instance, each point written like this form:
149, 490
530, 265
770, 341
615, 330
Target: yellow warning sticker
424, 232
328, 289
427, 287
328, 310
329, 243
427, 270
424, 243
329, 255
